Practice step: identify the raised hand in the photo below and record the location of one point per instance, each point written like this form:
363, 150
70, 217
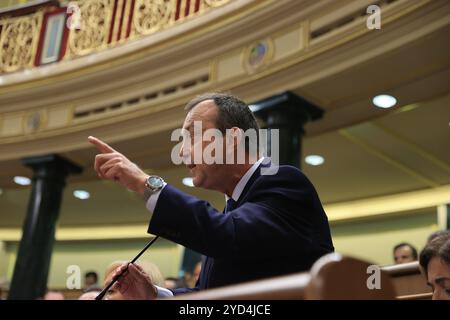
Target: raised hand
112, 165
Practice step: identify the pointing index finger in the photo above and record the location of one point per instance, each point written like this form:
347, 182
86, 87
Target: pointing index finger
100, 145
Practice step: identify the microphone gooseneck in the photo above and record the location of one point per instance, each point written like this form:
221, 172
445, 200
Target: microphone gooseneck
105, 290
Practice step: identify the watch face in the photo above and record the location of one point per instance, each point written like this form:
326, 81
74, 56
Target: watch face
155, 182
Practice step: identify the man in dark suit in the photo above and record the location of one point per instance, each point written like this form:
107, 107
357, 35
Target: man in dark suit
271, 225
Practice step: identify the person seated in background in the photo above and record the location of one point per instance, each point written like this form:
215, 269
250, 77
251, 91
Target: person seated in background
404, 253
54, 295
172, 283
196, 272
190, 278
90, 294
3, 287
435, 262
175, 283
150, 269
91, 281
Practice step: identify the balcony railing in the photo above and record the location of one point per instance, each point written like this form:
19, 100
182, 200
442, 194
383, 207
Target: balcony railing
43, 32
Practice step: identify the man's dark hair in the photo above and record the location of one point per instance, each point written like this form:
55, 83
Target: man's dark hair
91, 274
233, 112
437, 247
405, 244
437, 234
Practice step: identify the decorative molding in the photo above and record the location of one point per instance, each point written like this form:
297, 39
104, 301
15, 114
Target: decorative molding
118, 103
19, 38
96, 16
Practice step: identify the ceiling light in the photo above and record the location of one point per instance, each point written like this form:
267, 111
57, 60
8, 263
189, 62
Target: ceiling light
188, 181
384, 101
314, 160
23, 181
81, 194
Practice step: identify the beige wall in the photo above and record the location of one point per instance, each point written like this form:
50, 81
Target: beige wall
97, 255
373, 240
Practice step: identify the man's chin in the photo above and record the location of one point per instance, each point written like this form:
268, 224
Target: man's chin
200, 183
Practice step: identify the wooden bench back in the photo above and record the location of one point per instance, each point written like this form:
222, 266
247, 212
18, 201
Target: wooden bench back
332, 277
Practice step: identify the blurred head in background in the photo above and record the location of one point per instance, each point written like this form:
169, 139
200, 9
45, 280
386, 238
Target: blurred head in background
54, 295
404, 252
172, 283
90, 279
435, 262
90, 294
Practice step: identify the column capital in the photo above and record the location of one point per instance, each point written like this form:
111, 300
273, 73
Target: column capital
51, 165
288, 113
286, 108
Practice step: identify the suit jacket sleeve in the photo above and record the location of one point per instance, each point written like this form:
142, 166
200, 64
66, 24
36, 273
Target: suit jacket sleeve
183, 290
277, 215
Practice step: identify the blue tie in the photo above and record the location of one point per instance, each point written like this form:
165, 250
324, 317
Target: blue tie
230, 205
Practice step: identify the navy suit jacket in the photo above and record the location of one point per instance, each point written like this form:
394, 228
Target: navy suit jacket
278, 226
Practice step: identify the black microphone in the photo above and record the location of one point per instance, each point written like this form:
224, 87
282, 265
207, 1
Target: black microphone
105, 290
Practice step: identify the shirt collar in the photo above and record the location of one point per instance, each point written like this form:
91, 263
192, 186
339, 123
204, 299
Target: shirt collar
243, 182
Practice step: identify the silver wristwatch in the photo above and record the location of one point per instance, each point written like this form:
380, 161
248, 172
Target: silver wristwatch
152, 185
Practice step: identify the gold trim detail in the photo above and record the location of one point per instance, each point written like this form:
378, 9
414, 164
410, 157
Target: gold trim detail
96, 16
19, 37
151, 16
